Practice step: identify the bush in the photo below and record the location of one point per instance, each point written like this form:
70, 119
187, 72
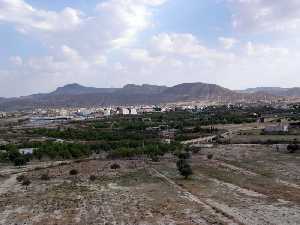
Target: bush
20, 178
155, 158
45, 176
210, 156
292, 148
184, 168
93, 178
195, 150
26, 181
183, 155
38, 168
73, 172
20, 161
115, 166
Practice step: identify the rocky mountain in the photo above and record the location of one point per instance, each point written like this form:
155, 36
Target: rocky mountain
75, 95
75, 89
277, 91
142, 89
196, 90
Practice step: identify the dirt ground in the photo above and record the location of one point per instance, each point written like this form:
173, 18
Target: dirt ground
242, 184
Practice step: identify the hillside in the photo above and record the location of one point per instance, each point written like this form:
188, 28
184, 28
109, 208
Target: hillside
277, 91
75, 95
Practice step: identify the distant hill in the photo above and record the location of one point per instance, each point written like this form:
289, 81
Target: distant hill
197, 90
75, 95
142, 89
277, 91
75, 89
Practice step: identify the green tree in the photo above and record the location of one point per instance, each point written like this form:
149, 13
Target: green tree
184, 168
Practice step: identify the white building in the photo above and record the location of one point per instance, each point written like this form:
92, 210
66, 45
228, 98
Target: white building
133, 111
26, 151
107, 112
124, 111
84, 112
64, 112
277, 128
147, 109
3, 114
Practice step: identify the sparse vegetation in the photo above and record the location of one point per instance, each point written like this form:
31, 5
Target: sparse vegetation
115, 166
26, 182
45, 177
184, 168
292, 148
93, 178
20, 178
210, 156
73, 172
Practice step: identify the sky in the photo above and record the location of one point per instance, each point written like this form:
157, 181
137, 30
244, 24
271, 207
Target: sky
109, 43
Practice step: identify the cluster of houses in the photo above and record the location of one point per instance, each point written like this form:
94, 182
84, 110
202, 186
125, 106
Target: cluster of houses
3, 114
93, 112
277, 128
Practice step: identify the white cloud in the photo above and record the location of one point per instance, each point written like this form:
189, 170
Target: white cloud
227, 43
105, 48
16, 60
266, 15
186, 45
27, 18
260, 50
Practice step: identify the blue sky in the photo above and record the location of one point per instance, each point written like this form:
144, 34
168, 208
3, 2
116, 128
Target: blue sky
109, 43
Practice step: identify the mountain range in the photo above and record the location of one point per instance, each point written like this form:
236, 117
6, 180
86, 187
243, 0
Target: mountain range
276, 91
75, 95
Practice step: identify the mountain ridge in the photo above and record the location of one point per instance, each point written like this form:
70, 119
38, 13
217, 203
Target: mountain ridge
76, 95
277, 91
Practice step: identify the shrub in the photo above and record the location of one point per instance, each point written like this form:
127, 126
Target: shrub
93, 178
155, 158
184, 168
115, 166
210, 156
73, 172
26, 181
195, 150
20, 161
45, 176
38, 168
292, 148
183, 155
20, 178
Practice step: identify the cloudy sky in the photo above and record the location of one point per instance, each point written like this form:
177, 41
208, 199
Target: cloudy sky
109, 43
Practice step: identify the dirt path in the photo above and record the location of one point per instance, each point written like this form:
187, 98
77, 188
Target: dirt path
213, 209
8, 184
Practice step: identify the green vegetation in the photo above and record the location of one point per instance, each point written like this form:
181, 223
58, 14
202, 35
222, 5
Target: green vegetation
184, 168
93, 178
11, 154
115, 166
73, 172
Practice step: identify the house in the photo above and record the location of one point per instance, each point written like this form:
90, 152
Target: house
282, 127
107, 112
133, 111
26, 151
261, 120
2, 114
123, 111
